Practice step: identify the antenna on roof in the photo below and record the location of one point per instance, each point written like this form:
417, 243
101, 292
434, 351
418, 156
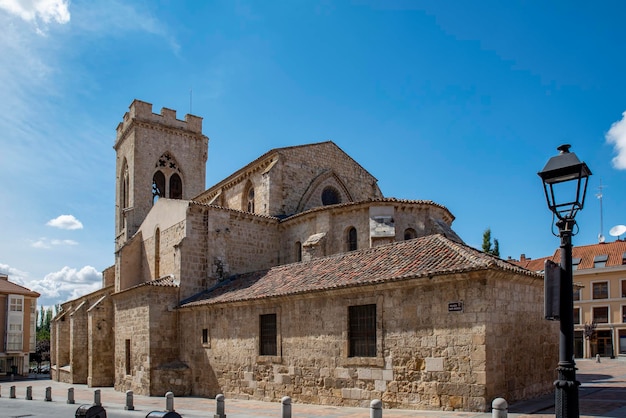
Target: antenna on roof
599, 196
617, 230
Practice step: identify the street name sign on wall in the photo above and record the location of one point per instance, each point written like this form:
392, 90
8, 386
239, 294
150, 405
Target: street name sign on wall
455, 306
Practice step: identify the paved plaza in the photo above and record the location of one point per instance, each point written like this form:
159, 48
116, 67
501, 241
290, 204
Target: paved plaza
602, 394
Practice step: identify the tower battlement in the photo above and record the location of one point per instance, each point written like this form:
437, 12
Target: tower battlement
142, 111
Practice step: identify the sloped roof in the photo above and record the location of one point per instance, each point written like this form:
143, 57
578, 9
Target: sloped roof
8, 287
432, 255
614, 251
536, 264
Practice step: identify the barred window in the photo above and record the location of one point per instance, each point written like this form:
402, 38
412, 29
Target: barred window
267, 338
362, 330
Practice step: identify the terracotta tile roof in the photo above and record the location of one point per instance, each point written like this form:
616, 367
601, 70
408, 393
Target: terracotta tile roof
165, 281
615, 252
428, 256
8, 287
532, 264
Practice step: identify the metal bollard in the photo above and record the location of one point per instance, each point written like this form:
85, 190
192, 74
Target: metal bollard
129, 401
286, 409
597, 358
219, 407
376, 409
29, 393
499, 408
96, 398
169, 402
12, 392
70, 396
48, 394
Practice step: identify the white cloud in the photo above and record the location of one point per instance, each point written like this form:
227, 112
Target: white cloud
39, 11
15, 275
65, 222
46, 244
617, 136
68, 283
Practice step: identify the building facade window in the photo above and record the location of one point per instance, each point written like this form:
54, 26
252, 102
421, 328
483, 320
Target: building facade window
158, 186
330, 196
298, 251
127, 356
577, 293
576, 316
599, 261
624, 314
362, 330
600, 290
157, 253
409, 233
205, 336
601, 314
16, 304
267, 335
352, 239
575, 263
176, 187
249, 199
624, 288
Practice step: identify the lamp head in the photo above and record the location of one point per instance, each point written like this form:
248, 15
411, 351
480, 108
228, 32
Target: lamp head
565, 183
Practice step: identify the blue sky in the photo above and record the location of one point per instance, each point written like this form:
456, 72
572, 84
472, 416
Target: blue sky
453, 101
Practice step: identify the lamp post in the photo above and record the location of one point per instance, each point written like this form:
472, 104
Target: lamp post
564, 173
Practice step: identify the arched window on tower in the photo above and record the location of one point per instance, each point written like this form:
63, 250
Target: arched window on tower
157, 253
176, 187
409, 233
124, 197
158, 186
351, 239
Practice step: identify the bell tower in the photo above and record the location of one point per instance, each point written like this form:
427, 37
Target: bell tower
157, 156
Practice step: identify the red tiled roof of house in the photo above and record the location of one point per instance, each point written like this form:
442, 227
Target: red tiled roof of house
8, 287
428, 256
532, 264
615, 252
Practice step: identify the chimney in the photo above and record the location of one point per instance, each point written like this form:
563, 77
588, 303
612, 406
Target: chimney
4, 277
523, 257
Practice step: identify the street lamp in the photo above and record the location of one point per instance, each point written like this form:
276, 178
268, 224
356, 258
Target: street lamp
565, 185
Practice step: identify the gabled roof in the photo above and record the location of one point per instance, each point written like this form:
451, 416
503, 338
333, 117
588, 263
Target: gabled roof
428, 256
7, 287
267, 158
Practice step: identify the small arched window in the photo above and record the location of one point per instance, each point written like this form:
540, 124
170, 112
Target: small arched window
157, 253
409, 233
176, 187
352, 239
158, 186
250, 200
298, 250
330, 196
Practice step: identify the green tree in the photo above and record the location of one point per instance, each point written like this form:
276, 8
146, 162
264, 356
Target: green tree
487, 246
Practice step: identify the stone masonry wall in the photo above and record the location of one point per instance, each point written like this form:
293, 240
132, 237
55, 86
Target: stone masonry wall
100, 341
79, 344
144, 316
428, 357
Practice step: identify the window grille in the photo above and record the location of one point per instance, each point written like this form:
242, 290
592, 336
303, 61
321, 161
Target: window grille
267, 338
362, 330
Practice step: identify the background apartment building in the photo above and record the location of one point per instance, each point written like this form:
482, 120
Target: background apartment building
18, 316
599, 297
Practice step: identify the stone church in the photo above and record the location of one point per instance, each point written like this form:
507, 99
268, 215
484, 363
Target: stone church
295, 276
